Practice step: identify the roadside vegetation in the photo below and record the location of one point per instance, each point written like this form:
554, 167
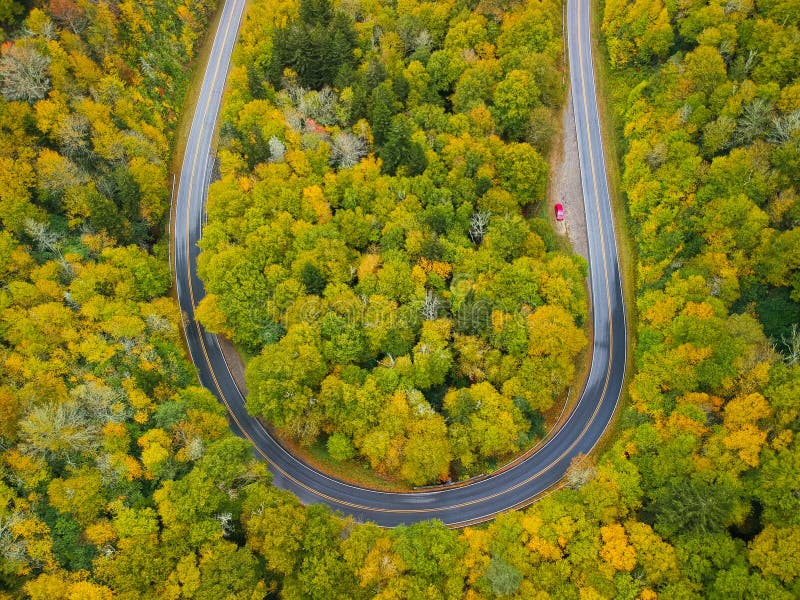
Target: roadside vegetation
102, 429
119, 478
368, 234
709, 97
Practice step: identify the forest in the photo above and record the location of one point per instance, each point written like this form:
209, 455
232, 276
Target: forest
368, 239
119, 476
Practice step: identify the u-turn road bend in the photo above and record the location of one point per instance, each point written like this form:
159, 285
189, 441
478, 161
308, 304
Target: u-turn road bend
456, 506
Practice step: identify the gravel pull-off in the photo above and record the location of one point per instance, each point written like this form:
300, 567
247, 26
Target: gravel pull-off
565, 185
235, 363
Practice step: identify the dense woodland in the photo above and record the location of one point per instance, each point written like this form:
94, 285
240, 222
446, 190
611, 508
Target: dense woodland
368, 237
708, 96
119, 477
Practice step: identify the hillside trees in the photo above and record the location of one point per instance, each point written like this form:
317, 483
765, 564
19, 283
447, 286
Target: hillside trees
120, 478
92, 93
341, 245
96, 397
705, 134
100, 413
9, 11
318, 46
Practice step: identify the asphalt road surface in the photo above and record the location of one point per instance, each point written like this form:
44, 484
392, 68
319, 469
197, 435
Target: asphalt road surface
474, 502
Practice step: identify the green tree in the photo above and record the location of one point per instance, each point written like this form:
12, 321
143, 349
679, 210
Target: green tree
283, 380
514, 99
340, 447
400, 151
9, 11
523, 172
693, 507
484, 424
503, 578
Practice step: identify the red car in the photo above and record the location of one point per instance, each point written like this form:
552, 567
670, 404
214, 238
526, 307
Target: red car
559, 212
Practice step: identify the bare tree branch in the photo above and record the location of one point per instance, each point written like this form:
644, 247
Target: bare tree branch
23, 71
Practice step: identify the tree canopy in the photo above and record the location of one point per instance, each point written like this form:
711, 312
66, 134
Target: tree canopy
119, 476
368, 237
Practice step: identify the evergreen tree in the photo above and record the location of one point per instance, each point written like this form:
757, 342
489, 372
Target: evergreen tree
400, 151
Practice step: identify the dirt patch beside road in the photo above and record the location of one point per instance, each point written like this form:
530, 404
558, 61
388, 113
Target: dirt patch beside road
565, 184
565, 187
235, 363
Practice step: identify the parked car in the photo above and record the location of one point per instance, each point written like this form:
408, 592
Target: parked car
559, 212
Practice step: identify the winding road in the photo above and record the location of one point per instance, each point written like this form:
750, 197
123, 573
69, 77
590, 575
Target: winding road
473, 502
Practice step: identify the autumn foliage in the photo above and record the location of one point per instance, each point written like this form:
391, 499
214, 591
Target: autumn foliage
119, 477
367, 239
